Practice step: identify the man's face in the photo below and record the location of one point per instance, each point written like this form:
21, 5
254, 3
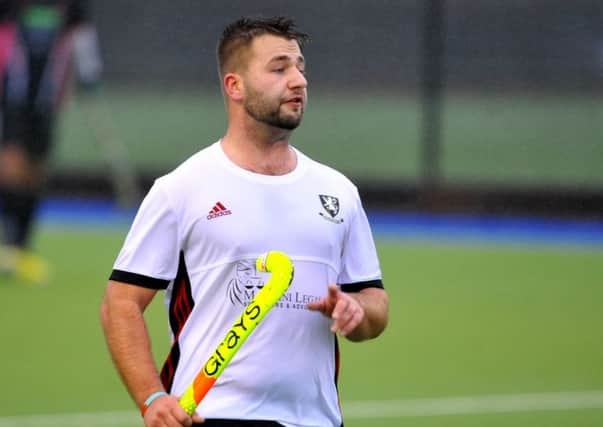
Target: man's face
275, 84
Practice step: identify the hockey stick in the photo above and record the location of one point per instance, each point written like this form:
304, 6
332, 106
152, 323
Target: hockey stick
281, 268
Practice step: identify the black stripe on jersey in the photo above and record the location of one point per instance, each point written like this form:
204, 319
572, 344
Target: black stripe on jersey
358, 286
337, 363
337, 369
138, 280
181, 306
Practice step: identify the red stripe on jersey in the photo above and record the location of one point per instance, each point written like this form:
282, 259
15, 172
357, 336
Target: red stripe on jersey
169, 367
221, 206
181, 306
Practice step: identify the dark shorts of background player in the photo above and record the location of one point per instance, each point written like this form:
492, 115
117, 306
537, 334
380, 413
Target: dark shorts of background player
32, 83
31, 131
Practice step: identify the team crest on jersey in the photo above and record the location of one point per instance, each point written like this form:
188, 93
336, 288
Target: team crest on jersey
331, 205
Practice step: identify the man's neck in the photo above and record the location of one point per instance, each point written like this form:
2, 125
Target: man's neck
267, 155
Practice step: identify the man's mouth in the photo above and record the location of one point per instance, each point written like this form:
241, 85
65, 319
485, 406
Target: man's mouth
296, 100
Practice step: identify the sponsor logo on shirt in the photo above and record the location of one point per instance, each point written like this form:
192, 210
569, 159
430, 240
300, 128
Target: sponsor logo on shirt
248, 281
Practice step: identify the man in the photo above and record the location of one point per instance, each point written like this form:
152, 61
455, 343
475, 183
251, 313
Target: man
36, 41
198, 232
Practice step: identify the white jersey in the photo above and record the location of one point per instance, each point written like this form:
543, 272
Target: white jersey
197, 234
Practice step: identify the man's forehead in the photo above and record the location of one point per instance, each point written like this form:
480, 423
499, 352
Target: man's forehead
268, 47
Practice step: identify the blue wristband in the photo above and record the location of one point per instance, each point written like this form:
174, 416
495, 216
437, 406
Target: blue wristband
150, 400
153, 397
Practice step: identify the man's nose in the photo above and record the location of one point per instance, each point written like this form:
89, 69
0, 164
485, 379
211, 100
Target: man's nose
298, 79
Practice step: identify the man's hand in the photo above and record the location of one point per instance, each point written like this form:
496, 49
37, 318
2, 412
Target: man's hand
345, 310
166, 411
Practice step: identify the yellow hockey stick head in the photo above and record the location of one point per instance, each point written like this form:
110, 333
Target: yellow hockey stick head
281, 267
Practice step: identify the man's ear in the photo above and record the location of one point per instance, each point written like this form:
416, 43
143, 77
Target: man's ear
233, 86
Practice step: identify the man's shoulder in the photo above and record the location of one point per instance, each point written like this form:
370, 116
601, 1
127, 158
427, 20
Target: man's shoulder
201, 161
327, 172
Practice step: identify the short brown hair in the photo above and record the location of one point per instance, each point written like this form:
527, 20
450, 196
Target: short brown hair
241, 33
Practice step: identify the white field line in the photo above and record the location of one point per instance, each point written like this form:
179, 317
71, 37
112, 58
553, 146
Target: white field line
529, 402
87, 419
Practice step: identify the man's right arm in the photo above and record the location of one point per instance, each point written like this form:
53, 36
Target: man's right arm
127, 338
128, 341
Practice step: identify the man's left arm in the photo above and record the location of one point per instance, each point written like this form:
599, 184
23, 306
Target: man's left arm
358, 316
359, 305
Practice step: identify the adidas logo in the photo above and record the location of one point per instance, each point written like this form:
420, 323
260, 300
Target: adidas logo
218, 210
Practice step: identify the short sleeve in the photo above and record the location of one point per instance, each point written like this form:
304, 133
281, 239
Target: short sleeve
360, 264
150, 254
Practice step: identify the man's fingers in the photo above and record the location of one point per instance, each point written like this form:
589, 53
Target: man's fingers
340, 310
327, 304
347, 315
354, 321
345, 311
341, 315
164, 417
166, 411
198, 419
333, 292
184, 420
317, 305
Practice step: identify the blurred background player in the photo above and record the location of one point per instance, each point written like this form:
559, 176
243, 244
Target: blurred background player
38, 40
